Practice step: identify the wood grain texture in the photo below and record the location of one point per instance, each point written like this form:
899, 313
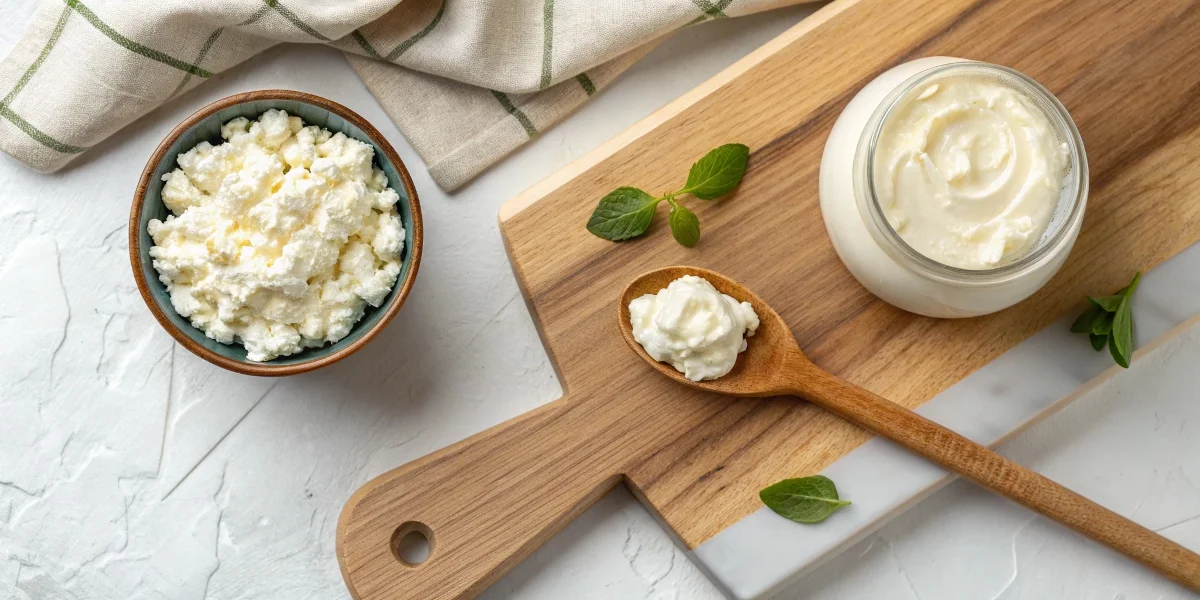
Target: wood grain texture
774, 365
1127, 70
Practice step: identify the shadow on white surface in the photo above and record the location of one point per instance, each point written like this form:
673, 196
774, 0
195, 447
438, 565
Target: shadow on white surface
135, 470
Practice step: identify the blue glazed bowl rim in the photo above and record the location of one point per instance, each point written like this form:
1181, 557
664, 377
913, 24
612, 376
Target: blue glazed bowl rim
402, 287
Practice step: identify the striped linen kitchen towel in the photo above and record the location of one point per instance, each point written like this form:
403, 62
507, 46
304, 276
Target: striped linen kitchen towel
466, 81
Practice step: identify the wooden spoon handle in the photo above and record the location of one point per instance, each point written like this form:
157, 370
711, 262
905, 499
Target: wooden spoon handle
484, 504
992, 471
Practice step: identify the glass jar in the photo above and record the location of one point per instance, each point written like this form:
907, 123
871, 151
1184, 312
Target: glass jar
876, 254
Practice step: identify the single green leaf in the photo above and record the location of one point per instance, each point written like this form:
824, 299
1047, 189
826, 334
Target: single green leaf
1133, 284
1111, 322
1120, 356
1108, 303
718, 172
1120, 341
685, 226
803, 500
1103, 323
1083, 324
624, 213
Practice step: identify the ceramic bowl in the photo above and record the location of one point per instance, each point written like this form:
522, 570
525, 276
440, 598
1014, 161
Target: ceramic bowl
205, 125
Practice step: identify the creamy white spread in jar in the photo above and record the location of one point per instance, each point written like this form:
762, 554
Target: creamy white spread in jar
279, 238
692, 326
953, 188
969, 172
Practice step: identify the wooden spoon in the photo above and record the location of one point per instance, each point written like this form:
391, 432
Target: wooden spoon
773, 365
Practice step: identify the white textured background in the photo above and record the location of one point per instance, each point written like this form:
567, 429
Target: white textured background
131, 469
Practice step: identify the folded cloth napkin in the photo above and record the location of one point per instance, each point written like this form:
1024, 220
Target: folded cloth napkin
466, 81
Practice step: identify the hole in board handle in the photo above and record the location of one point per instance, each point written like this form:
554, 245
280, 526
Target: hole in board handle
412, 543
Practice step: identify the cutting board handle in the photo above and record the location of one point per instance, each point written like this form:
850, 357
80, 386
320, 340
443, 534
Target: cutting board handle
483, 504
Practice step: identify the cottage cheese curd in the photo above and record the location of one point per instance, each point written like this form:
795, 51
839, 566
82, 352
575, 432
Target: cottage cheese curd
692, 326
279, 238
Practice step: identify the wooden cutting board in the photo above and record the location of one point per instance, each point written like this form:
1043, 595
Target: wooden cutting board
1127, 70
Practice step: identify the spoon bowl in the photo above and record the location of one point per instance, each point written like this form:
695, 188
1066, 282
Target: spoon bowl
774, 365
767, 351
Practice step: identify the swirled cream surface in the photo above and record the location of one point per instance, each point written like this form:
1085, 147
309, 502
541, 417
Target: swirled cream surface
692, 326
968, 171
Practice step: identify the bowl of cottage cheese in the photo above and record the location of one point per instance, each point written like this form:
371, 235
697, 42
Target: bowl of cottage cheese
274, 232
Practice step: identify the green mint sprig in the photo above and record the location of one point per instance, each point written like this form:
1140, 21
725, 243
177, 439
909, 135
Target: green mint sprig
804, 500
627, 212
1108, 320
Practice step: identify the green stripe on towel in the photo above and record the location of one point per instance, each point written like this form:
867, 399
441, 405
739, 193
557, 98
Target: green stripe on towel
406, 44
504, 101
37, 134
585, 82
58, 29
547, 43
208, 44
402, 47
258, 14
291, 16
364, 44
133, 46
7, 112
715, 10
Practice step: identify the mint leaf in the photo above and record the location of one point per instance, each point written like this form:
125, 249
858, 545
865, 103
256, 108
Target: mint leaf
1083, 324
718, 172
804, 500
1107, 303
1133, 285
685, 226
1120, 340
1108, 320
624, 213
1119, 356
1103, 323
627, 212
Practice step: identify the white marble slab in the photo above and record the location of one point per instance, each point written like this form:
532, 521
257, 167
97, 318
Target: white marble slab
759, 555
1131, 443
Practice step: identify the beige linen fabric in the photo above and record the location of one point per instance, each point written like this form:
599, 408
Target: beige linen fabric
466, 81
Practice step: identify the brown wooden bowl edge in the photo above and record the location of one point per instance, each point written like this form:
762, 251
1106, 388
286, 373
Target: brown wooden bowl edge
265, 370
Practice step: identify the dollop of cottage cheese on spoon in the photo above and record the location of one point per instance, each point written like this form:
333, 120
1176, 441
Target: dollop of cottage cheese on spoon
692, 326
279, 238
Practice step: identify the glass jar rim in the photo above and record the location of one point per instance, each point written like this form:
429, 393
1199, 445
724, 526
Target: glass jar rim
1075, 189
